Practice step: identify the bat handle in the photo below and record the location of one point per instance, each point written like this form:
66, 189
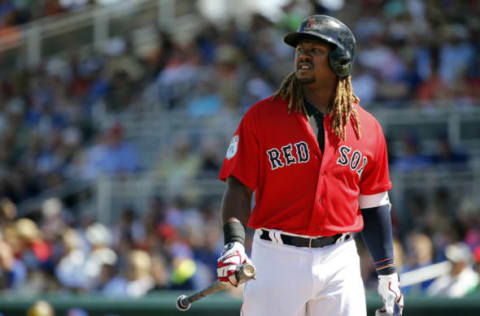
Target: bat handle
183, 304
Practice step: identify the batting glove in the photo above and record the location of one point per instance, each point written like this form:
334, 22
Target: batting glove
232, 257
389, 290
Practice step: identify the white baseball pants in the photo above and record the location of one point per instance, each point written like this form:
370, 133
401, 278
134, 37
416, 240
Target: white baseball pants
294, 281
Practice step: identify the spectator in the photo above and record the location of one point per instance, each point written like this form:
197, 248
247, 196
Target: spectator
111, 282
160, 273
8, 211
34, 250
113, 155
365, 85
13, 272
70, 269
178, 77
41, 308
433, 89
412, 158
53, 222
129, 233
448, 156
140, 280
209, 158
100, 239
462, 279
205, 102
419, 254
177, 167
456, 53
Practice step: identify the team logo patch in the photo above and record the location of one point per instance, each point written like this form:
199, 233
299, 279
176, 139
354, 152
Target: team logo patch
232, 149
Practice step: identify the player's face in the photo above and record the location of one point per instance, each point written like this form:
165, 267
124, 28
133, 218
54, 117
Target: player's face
311, 61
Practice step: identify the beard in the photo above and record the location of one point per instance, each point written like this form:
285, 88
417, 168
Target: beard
305, 79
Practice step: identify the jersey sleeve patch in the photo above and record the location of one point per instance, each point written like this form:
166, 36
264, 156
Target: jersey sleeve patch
233, 147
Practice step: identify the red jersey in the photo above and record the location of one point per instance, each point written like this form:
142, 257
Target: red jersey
298, 188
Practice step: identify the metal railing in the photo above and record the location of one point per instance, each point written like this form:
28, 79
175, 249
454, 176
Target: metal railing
155, 129
154, 132
460, 126
139, 190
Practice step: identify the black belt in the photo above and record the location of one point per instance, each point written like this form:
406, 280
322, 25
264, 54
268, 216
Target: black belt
305, 242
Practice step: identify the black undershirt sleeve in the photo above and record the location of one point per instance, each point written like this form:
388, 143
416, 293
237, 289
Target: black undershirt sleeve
377, 236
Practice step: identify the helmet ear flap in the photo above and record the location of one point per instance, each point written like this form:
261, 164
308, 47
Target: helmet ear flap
340, 61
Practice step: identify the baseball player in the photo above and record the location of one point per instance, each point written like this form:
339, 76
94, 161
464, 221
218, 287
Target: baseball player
317, 163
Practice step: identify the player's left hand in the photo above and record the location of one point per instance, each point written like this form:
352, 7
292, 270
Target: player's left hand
389, 290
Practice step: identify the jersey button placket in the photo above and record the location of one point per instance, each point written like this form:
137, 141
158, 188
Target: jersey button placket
325, 152
317, 201
323, 174
314, 214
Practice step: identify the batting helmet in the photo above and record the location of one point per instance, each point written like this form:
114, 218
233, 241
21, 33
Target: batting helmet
332, 31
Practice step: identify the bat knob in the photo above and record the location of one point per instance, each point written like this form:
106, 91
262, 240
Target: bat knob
182, 304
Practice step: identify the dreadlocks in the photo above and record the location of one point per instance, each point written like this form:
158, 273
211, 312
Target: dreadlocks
340, 112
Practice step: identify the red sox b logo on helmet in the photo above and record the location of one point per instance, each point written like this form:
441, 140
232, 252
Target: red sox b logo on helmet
310, 24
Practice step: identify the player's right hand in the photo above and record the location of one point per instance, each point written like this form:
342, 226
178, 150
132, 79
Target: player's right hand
232, 257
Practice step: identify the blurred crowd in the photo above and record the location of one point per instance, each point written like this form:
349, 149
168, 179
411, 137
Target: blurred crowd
411, 53
436, 244
19, 12
174, 246
169, 247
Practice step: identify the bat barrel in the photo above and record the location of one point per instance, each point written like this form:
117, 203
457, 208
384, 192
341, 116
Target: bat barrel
183, 304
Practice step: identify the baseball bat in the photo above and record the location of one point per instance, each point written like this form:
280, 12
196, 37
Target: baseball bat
244, 273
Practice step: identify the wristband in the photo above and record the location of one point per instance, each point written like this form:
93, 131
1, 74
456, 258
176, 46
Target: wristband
385, 266
233, 231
